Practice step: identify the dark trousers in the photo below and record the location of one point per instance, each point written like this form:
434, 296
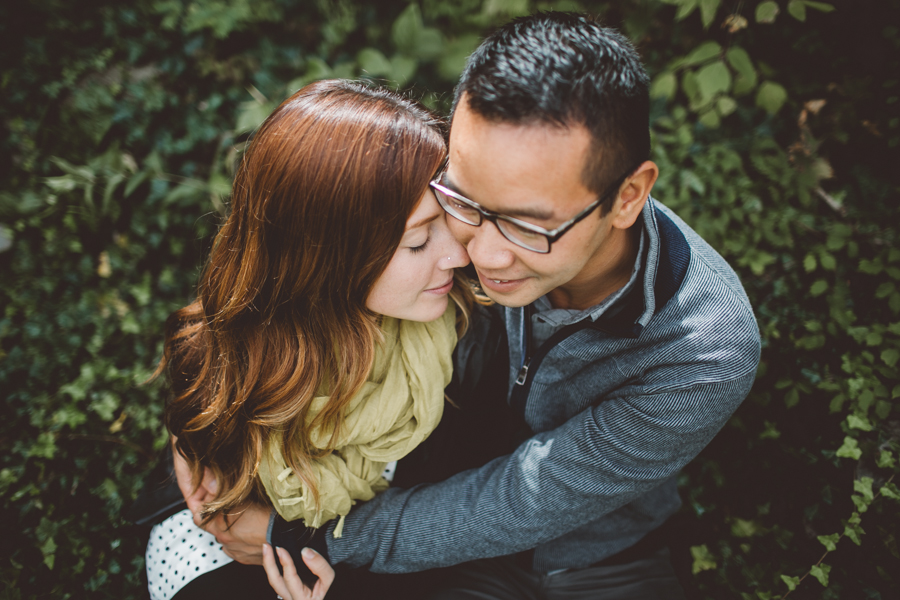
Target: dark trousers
647, 578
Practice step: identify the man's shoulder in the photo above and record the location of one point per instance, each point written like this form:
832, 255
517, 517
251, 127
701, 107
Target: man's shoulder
708, 275
709, 315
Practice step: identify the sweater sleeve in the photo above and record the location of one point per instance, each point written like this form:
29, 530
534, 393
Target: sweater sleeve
555, 482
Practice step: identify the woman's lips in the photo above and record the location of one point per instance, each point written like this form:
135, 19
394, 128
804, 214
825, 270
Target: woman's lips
444, 289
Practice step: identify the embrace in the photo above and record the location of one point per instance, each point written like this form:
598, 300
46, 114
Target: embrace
465, 369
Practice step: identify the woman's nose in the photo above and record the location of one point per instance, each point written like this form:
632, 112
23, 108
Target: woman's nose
454, 255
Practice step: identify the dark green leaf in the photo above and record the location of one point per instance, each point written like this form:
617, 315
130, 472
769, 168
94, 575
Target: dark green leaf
771, 97
820, 572
797, 8
766, 12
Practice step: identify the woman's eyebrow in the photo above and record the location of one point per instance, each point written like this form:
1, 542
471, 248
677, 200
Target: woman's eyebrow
423, 221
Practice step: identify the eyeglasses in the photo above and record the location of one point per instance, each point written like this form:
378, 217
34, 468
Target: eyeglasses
522, 234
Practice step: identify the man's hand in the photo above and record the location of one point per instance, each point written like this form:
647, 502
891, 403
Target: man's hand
244, 539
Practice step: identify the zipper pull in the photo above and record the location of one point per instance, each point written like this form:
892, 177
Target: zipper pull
523, 374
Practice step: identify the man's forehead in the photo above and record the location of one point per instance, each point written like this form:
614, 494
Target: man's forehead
531, 170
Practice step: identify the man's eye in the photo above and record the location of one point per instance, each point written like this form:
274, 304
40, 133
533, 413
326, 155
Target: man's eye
523, 233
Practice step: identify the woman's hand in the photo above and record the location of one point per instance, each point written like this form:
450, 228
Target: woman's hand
194, 497
289, 586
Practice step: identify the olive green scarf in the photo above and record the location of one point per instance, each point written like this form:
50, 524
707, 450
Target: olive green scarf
398, 406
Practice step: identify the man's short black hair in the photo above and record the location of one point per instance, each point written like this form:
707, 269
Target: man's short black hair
566, 69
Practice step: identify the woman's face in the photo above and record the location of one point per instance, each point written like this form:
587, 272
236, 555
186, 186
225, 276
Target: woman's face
417, 281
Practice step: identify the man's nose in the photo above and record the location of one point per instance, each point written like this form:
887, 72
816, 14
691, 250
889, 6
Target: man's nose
487, 247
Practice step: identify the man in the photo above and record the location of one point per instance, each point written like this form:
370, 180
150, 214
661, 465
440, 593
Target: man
631, 341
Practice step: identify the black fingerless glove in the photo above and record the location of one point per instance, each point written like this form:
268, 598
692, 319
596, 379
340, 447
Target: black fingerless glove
294, 536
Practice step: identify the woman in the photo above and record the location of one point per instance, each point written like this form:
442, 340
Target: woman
319, 346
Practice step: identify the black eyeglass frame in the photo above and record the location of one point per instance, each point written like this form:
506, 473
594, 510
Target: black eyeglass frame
552, 235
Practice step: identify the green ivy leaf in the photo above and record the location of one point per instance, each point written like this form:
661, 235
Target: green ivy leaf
725, 105
818, 288
771, 97
889, 490
743, 529
862, 423
830, 541
373, 62
797, 9
821, 572
791, 582
708, 10
402, 68
874, 338
828, 261
689, 85
863, 485
852, 529
792, 398
685, 8
809, 263
702, 53
766, 12
885, 289
454, 56
886, 460
664, 86
48, 550
703, 559
822, 6
849, 449
316, 69
406, 29
710, 119
872, 267
890, 356
740, 61
252, 114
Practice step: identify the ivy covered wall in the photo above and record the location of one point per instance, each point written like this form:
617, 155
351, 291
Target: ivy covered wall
776, 125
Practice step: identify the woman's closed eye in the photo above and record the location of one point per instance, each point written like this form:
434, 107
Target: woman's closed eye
420, 248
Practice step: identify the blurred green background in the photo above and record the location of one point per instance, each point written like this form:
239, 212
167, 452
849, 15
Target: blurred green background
776, 125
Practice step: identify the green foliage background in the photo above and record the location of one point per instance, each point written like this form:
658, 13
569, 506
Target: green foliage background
777, 129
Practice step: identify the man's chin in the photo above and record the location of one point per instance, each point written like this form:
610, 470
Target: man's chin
514, 299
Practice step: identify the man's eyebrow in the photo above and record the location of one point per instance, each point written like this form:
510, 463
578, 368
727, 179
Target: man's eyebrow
538, 214
424, 221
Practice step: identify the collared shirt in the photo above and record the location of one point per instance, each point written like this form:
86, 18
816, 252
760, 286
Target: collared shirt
546, 320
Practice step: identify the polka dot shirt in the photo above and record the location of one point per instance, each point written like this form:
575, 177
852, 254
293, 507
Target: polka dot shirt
178, 553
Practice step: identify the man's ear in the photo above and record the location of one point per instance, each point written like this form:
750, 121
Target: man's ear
633, 195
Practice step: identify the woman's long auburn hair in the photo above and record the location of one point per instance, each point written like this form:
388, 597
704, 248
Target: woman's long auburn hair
319, 205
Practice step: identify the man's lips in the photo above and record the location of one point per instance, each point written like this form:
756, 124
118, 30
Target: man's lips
499, 284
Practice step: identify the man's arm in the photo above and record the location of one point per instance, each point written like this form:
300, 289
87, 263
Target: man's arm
558, 480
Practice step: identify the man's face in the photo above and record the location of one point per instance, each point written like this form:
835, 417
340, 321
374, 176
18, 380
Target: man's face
534, 173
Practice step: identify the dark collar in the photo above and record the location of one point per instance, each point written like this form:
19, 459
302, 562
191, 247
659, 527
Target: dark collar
671, 267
